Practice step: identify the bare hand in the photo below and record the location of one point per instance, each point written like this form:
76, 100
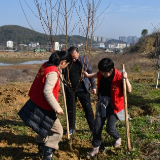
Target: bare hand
124, 74
94, 91
85, 74
60, 111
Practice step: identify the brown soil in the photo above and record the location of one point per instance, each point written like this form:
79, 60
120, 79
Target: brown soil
12, 98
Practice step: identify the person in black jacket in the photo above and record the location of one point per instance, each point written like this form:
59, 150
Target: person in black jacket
80, 86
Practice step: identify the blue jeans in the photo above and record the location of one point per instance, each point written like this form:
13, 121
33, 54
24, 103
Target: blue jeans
110, 126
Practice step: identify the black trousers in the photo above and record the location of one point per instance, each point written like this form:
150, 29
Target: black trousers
84, 98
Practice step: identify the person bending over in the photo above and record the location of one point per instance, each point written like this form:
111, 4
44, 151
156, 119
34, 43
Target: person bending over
110, 103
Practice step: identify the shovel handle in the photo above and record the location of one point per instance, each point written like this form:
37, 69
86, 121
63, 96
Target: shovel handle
126, 111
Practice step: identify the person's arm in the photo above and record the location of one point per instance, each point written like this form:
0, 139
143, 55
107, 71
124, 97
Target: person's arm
91, 78
50, 82
91, 75
128, 85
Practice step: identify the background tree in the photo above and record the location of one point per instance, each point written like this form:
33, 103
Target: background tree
144, 32
54, 18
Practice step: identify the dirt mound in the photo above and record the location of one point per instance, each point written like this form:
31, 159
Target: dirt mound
12, 98
17, 96
14, 93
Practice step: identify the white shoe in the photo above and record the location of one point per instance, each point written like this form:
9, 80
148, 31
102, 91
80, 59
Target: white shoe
117, 143
93, 152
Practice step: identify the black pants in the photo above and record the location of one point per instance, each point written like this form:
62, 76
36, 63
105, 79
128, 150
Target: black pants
84, 98
110, 126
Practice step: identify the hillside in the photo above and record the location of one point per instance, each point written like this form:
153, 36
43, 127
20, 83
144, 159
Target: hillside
19, 34
145, 45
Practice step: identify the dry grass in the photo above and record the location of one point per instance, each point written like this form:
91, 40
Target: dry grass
136, 65
18, 73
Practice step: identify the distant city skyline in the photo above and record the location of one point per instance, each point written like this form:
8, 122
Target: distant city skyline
122, 18
128, 39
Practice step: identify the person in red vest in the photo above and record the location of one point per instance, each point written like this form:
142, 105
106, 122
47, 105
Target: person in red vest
40, 110
110, 104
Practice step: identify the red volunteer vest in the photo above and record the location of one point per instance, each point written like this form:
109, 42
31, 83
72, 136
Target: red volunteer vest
36, 90
116, 91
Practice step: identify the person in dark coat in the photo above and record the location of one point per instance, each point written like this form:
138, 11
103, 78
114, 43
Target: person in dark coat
80, 86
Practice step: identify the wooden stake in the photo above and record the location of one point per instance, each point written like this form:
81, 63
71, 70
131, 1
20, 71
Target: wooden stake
126, 111
65, 106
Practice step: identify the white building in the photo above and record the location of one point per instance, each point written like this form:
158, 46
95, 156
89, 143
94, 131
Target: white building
95, 38
22, 47
129, 39
112, 46
117, 45
124, 39
134, 39
79, 44
98, 39
33, 44
56, 46
103, 39
107, 50
101, 45
9, 44
121, 45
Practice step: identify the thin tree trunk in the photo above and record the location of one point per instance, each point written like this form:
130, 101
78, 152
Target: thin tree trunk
66, 19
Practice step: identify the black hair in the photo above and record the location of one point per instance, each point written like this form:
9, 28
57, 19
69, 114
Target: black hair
57, 56
105, 65
73, 48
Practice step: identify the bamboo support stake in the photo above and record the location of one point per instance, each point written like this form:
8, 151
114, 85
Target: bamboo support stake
65, 106
157, 79
126, 112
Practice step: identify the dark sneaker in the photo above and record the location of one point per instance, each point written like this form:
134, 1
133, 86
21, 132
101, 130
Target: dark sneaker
93, 152
48, 153
70, 132
40, 150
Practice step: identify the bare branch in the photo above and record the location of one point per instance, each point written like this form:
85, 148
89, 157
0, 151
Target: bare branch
57, 20
83, 9
25, 15
80, 19
66, 20
102, 13
31, 9
99, 2
74, 27
98, 25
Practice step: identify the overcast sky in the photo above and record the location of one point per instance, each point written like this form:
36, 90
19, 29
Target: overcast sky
122, 18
